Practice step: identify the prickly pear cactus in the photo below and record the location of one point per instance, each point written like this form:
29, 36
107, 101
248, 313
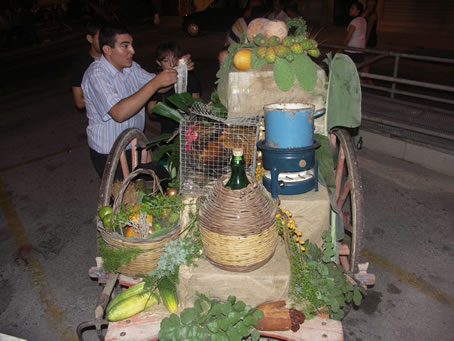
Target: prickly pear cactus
283, 74
305, 71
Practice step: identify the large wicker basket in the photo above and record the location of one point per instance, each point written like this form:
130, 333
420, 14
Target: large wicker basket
150, 249
238, 227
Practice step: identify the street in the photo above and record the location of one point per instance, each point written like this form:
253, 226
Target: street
48, 195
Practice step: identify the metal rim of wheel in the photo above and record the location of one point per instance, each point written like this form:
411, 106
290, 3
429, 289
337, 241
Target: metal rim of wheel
349, 197
193, 29
132, 136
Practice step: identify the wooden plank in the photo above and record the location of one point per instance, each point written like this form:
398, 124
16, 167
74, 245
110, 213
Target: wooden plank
142, 327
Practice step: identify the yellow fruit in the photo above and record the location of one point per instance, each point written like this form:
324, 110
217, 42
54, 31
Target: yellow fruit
242, 59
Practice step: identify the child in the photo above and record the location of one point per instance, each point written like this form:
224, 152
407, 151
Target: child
356, 33
167, 56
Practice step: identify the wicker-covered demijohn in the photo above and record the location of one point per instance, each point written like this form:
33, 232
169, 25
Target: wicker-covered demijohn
238, 226
150, 249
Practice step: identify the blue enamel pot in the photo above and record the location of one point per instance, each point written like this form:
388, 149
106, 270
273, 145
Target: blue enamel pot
290, 125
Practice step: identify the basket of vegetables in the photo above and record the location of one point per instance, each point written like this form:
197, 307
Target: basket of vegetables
143, 227
238, 227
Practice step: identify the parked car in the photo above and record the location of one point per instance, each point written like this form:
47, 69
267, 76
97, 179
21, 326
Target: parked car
218, 17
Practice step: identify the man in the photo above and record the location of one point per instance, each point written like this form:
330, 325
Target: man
81, 62
116, 90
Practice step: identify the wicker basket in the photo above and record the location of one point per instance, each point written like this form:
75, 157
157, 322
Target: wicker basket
151, 249
238, 227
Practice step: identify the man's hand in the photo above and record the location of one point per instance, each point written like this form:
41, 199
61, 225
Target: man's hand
189, 62
166, 78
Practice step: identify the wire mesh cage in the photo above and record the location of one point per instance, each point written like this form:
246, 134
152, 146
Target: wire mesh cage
206, 143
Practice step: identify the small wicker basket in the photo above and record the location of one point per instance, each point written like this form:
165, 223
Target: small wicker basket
237, 227
151, 249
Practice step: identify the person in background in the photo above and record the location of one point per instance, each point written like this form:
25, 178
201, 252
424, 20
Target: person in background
255, 9
370, 14
278, 12
116, 90
167, 56
356, 33
81, 62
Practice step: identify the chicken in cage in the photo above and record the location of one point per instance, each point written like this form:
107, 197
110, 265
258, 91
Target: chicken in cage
206, 149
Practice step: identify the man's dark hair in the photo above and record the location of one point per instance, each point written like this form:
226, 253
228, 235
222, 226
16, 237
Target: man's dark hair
93, 27
107, 34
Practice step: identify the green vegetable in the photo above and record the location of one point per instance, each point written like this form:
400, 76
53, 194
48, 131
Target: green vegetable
132, 306
168, 291
159, 233
210, 319
131, 291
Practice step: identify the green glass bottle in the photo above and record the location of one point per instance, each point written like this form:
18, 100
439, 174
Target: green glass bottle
238, 179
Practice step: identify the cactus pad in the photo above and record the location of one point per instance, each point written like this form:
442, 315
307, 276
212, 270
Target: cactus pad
283, 74
305, 71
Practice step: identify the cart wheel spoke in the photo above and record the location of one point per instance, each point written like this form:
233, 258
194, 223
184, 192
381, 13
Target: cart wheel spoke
132, 139
349, 198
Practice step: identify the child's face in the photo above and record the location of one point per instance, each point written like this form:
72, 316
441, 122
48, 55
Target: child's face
169, 61
354, 12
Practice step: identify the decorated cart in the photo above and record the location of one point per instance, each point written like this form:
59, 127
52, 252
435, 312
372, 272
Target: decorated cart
278, 258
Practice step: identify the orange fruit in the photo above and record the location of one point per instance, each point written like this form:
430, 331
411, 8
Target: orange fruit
242, 59
131, 232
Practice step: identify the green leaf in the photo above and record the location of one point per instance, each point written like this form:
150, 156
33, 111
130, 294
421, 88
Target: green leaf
338, 315
334, 306
220, 336
213, 326
326, 258
255, 335
183, 101
257, 313
242, 329
231, 300
188, 315
305, 71
226, 308
234, 317
283, 74
257, 62
224, 324
357, 297
166, 111
322, 269
239, 306
233, 335
250, 321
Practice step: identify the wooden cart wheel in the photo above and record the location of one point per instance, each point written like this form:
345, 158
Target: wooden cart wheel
349, 199
133, 137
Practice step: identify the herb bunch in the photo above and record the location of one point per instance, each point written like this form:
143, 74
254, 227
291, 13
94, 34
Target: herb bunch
318, 282
210, 319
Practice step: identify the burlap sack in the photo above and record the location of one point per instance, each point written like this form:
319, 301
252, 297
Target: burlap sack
244, 93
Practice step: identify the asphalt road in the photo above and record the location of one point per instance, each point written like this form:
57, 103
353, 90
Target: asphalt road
48, 193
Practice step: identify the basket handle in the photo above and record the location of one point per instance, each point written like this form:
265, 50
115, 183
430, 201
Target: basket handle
118, 200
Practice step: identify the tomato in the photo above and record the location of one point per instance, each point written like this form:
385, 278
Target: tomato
107, 220
103, 211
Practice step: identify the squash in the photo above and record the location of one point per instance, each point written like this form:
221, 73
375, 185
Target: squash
255, 27
168, 291
267, 27
275, 28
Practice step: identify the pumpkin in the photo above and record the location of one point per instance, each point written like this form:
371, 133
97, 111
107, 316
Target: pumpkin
255, 27
276, 28
267, 27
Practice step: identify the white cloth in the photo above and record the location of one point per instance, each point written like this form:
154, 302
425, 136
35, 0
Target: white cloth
358, 38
